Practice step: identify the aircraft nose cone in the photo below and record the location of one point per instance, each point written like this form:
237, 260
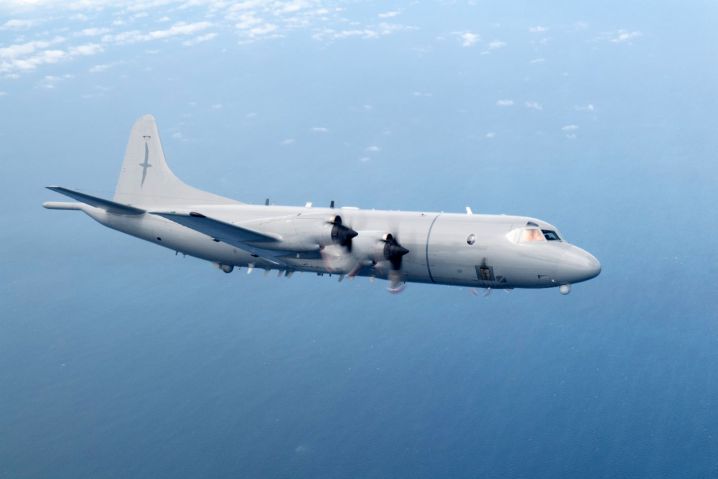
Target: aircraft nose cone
594, 268
577, 265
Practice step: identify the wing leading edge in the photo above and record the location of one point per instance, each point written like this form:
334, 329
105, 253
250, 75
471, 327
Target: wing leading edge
238, 236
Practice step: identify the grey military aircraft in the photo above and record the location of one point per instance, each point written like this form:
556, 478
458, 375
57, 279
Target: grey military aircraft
473, 250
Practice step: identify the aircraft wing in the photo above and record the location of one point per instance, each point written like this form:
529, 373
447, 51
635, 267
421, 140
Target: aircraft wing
243, 238
261, 244
219, 230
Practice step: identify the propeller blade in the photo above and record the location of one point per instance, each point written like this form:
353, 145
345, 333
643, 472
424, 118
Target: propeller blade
340, 233
393, 251
396, 285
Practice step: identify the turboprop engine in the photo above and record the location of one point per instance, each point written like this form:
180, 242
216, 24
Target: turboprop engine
305, 233
369, 249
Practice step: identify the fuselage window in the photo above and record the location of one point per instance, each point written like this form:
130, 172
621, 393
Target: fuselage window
550, 235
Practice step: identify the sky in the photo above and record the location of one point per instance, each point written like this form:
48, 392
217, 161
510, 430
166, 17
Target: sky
120, 359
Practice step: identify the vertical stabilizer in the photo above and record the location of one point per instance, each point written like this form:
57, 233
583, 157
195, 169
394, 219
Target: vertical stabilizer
146, 180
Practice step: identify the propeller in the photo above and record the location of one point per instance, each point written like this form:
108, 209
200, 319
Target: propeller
337, 256
393, 251
342, 234
351, 251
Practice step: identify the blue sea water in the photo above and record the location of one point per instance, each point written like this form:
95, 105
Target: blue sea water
119, 359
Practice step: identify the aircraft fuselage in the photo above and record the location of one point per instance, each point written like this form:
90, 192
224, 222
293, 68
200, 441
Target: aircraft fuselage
472, 250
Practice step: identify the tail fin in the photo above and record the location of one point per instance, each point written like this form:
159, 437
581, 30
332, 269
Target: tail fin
146, 180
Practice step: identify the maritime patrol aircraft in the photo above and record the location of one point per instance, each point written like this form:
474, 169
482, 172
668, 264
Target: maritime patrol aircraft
473, 250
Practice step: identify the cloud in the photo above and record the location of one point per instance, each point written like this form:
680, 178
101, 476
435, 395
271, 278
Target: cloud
490, 135
23, 57
85, 50
247, 20
622, 36
100, 68
537, 60
179, 29
252, 27
3, 93
588, 108
92, 32
390, 14
257, 20
570, 131
538, 29
136, 36
50, 81
262, 30
373, 149
287, 141
253, 20
291, 6
199, 39
28, 56
504, 103
17, 24
369, 32
496, 44
23, 49
320, 129
177, 135
533, 105
468, 39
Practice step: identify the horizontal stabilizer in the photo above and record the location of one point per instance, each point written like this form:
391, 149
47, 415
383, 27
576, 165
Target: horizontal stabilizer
219, 230
110, 206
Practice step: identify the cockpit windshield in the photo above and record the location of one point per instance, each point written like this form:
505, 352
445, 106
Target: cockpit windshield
550, 235
532, 234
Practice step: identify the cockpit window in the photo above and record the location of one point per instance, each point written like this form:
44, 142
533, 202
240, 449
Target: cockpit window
531, 234
550, 235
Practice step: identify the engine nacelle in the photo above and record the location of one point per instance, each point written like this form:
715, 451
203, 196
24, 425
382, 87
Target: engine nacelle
369, 249
369, 246
310, 233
